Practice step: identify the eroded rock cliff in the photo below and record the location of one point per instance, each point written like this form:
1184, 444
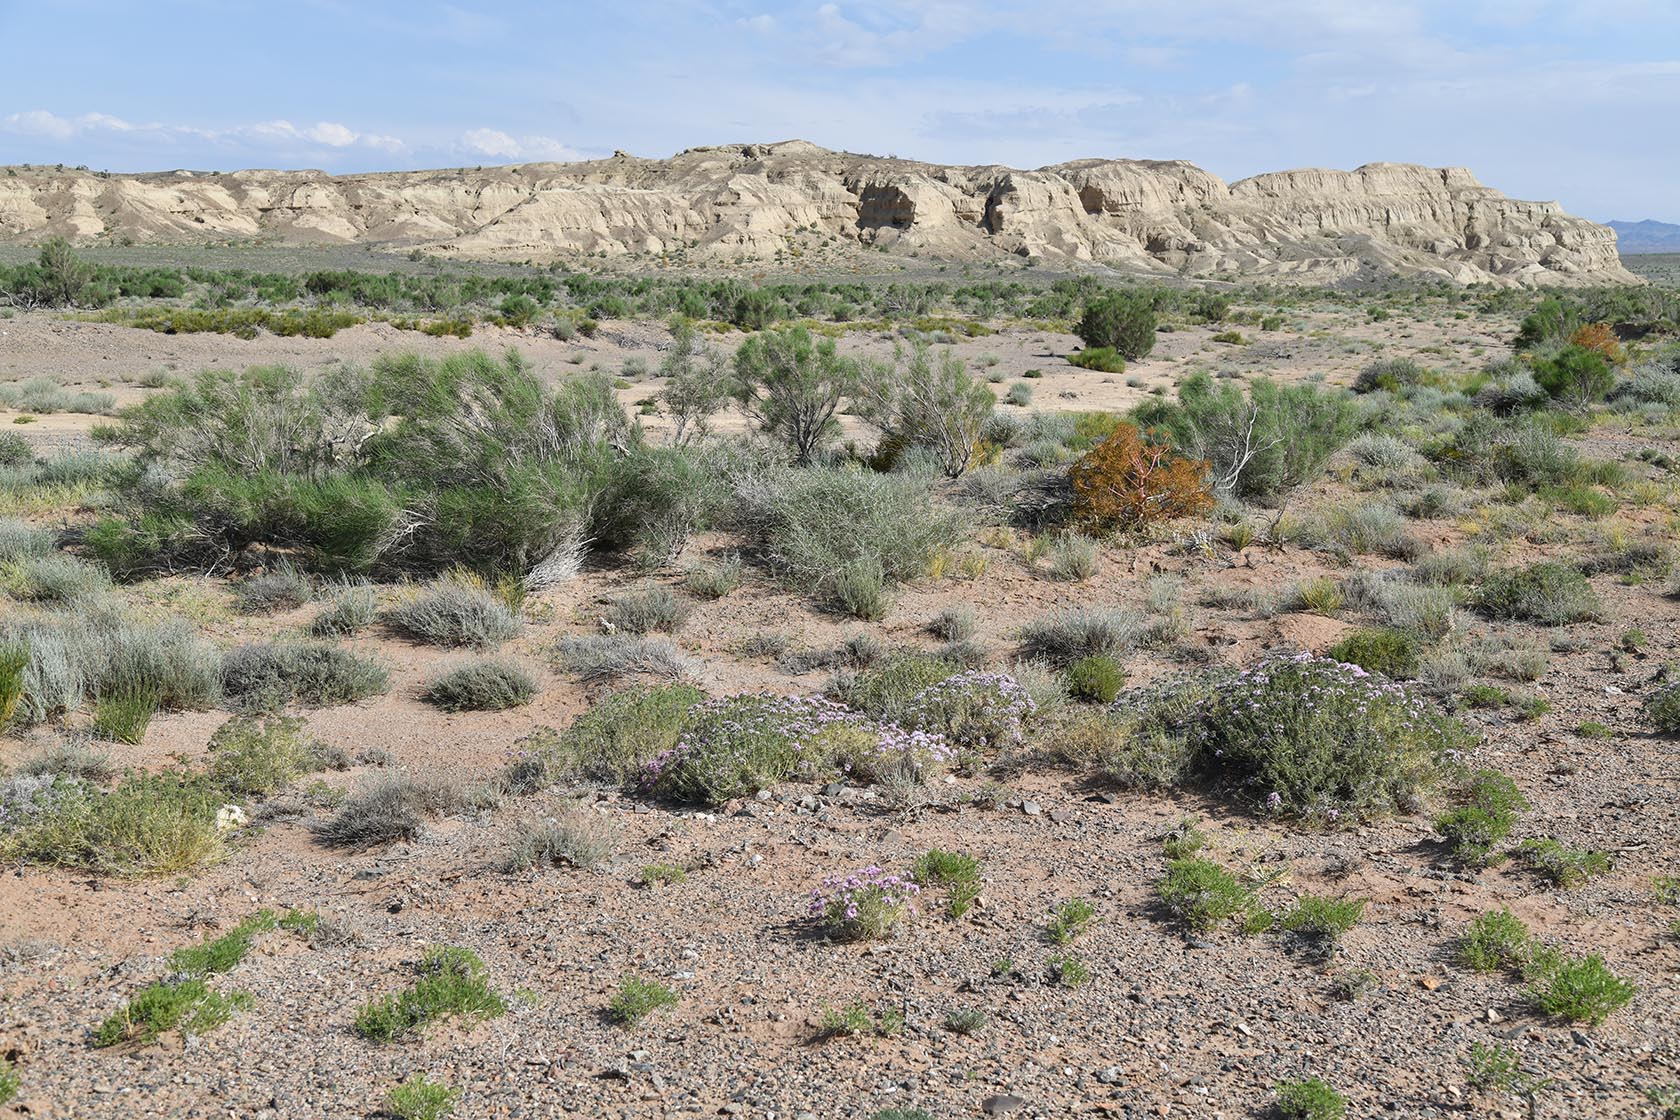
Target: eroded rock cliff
744, 203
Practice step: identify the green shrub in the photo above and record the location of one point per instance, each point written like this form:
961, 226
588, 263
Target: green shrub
1079, 632
596, 656
858, 589
1322, 917
1073, 558
1662, 708
169, 657
920, 403
123, 714
1317, 738
648, 610
654, 499
1311, 1099
1393, 653
1489, 804
15, 451
1067, 970
457, 610
221, 954
1548, 593
577, 838
256, 757
713, 581
266, 677
612, 741
1576, 374
974, 711
1096, 678
813, 524
790, 385
884, 691
954, 624
20, 542
1070, 921
1495, 940
956, 872
419, 1099
1261, 447
147, 824
14, 662
452, 981
189, 1006
1202, 894
10, 1081
637, 998
1020, 395
1121, 321
1582, 990
1561, 865
482, 686
53, 578
737, 745
1103, 359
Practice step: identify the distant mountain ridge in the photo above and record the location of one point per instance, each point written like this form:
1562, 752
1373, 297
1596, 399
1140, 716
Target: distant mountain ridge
1647, 236
750, 204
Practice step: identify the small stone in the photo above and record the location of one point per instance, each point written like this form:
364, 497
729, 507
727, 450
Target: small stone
1031, 809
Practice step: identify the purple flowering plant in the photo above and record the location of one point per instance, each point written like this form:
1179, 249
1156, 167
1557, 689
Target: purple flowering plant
973, 711
1318, 738
865, 905
735, 746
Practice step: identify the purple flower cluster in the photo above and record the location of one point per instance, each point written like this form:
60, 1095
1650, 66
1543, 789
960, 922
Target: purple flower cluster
737, 744
27, 797
1318, 737
899, 751
863, 905
974, 710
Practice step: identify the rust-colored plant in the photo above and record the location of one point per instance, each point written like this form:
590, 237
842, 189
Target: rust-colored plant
1126, 482
1599, 338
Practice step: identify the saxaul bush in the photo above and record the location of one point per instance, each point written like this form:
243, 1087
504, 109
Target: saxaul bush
1127, 482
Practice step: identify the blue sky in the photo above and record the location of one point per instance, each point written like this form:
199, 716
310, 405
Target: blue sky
1546, 99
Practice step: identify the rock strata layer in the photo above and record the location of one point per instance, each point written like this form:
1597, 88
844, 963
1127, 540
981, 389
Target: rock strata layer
760, 202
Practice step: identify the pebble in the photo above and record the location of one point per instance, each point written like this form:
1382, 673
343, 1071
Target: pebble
1031, 808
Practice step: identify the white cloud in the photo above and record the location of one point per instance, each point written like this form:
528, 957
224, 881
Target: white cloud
275, 133
496, 144
39, 122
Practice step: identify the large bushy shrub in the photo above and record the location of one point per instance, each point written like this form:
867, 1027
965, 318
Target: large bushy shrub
791, 385
1126, 482
1261, 446
920, 401
810, 525
410, 465
1121, 321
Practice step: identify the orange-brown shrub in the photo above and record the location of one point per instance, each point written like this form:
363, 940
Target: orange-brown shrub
1599, 338
1126, 482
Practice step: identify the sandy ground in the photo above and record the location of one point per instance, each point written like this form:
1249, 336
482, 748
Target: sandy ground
1331, 342
1169, 1025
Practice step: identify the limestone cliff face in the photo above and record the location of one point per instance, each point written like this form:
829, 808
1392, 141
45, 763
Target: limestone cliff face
745, 203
